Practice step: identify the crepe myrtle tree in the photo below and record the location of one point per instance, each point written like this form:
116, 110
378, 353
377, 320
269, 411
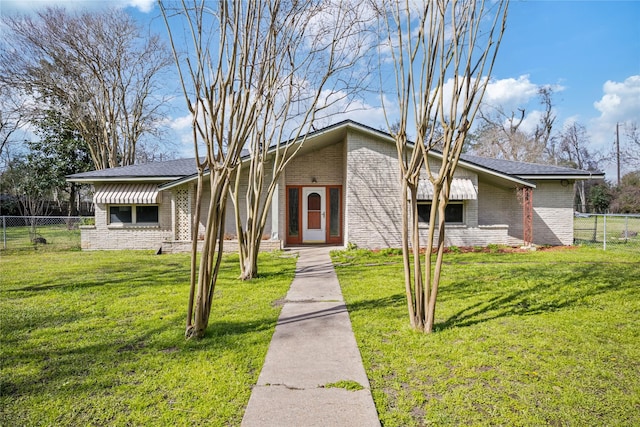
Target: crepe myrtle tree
245, 68
442, 53
313, 62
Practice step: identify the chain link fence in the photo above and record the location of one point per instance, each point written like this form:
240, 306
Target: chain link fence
41, 232
63, 233
607, 231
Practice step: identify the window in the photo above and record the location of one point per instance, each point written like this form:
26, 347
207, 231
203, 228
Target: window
148, 214
334, 212
453, 213
120, 215
294, 226
133, 214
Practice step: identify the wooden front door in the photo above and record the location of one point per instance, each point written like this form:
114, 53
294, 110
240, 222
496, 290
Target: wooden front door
314, 214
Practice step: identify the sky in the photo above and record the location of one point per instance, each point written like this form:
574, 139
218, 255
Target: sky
587, 51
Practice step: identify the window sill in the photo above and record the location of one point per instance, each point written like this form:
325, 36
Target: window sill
423, 226
133, 226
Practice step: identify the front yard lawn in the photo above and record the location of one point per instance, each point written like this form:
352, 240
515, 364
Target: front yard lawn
97, 338
523, 339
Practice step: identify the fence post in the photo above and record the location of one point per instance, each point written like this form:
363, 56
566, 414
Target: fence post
604, 240
626, 229
4, 232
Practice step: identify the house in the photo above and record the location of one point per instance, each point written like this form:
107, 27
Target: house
341, 188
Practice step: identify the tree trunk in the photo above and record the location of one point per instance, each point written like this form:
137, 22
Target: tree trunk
73, 195
435, 281
210, 257
406, 261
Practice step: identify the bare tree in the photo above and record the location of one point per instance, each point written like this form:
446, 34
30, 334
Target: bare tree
249, 65
96, 69
12, 117
631, 151
574, 152
441, 51
501, 134
309, 64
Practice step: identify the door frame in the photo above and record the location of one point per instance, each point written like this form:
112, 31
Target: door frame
297, 239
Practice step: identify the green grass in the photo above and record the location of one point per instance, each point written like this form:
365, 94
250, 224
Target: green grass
58, 237
96, 338
620, 230
522, 339
346, 384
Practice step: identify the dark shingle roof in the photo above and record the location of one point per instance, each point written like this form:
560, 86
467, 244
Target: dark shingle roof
523, 169
173, 170
169, 169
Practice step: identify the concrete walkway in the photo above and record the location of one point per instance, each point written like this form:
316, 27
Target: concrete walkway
313, 345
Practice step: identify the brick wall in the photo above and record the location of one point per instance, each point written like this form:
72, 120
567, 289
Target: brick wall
229, 246
552, 212
372, 192
103, 236
325, 165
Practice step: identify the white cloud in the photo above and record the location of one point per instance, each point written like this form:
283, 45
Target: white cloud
510, 93
181, 123
621, 100
620, 103
338, 106
142, 5
10, 6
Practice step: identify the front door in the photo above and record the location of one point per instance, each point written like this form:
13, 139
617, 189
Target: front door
313, 215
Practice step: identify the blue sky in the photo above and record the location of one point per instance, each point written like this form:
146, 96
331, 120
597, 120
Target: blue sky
589, 51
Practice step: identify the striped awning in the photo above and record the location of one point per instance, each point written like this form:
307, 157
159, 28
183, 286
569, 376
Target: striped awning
127, 194
461, 189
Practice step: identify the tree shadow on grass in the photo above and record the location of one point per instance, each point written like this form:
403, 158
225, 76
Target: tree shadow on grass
83, 363
540, 290
549, 292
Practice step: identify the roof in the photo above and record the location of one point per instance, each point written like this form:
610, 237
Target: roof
174, 172
155, 171
527, 170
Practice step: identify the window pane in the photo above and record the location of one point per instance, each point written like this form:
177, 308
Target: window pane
146, 214
334, 212
119, 214
313, 202
293, 211
424, 211
453, 213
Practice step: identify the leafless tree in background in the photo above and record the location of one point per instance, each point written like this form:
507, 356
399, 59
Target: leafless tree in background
574, 153
12, 117
631, 151
501, 135
98, 69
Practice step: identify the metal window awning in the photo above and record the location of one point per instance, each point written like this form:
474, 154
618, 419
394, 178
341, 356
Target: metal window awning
461, 189
130, 194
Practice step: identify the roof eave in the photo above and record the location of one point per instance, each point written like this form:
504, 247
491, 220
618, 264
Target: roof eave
92, 180
180, 181
566, 176
478, 168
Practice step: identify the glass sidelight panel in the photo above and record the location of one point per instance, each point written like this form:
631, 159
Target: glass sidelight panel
294, 205
334, 212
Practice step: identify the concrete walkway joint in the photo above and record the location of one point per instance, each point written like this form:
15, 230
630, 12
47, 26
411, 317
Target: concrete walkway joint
313, 346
